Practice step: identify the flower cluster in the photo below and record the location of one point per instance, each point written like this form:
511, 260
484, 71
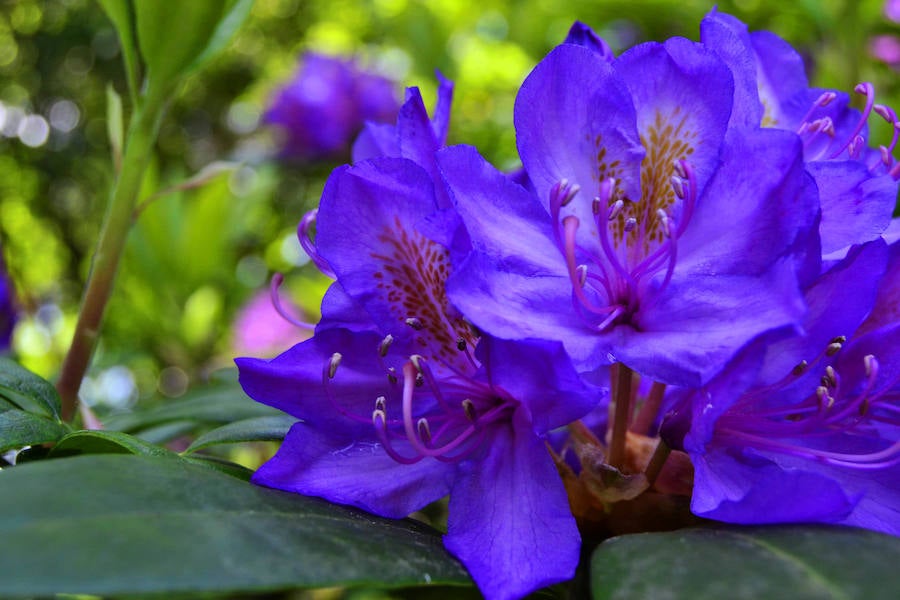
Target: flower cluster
692, 293
317, 114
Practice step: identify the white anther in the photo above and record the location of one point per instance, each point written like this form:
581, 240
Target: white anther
630, 223
871, 364
379, 419
833, 348
800, 369
582, 274
424, 429
678, 186
664, 221
385, 345
381, 403
333, 364
679, 169
414, 323
616, 209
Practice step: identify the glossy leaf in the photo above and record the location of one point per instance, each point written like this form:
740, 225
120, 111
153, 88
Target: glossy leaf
116, 524
800, 562
19, 429
105, 442
259, 429
216, 405
28, 391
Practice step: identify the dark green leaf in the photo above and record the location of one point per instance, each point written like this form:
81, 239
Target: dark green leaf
221, 465
28, 391
217, 405
105, 442
797, 562
117, 524
166, 432
19, 429
259, 429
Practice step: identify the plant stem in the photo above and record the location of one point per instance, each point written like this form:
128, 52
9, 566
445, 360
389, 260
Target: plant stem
622, 416
657, 462
645, 418
141, 138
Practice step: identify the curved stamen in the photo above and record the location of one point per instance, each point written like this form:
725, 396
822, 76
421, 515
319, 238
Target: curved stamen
868, 90
871, 460
378, 420
277, 280
303, 234
570, 226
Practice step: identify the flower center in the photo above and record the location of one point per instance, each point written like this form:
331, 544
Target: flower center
837, 414
637, 243
448, 422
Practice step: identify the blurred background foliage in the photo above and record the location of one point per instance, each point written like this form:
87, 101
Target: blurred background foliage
195, 257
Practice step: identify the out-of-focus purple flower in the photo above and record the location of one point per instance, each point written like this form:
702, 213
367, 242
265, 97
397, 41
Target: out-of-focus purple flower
321, 110
658, 238
404, 403
806, 429
8, 310
857, 184
892, 10
261, 330
885, 48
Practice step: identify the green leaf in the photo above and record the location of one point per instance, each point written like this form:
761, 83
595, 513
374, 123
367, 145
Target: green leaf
232, 20
178, 37
19, 429
221, 465
800, 562
218, 405
105, 442
28, 391
258, 429
119, 12
117, 524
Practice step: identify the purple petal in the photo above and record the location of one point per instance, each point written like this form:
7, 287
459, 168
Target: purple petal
502, 218
541, 377
887, 303
355, 471
679, 113
730, 39
582, 35
293, 381
702, 321
751, 215
748, 488
575, 120
510, 522
440, 122
856, 207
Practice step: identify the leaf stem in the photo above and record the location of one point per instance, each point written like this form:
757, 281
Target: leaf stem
142, 135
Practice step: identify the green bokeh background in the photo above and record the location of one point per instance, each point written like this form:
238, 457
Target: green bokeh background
194, 258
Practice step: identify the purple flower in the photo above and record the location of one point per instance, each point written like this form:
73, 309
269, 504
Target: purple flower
403, 403
8, 309
857, 184
658, 238
806, 429
326, 105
